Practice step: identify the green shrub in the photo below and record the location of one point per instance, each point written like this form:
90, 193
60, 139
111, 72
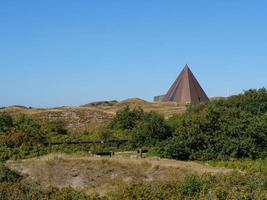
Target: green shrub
235, 127
151, 130
26, 124
192, 185
7, 175
174, 148
54, 128
6, 122
173, 122
252, 101
103, 133
127, 118
231, 128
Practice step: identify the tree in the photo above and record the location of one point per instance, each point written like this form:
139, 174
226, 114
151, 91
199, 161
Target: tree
150, 130
127, 118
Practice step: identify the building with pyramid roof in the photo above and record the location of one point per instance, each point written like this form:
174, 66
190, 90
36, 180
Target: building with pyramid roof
186, 89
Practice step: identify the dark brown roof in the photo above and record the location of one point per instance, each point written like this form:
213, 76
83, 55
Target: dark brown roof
186, 89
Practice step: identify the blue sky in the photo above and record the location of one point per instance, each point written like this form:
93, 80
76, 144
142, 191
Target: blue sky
65, 52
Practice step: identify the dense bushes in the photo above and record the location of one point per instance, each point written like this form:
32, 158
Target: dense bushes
21, 136
127, 119
252, 101
222, 129
150, 130
235, 127
20, 130
141, 128
231, 128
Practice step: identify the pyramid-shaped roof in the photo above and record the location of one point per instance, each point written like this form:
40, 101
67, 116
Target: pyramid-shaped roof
186, 89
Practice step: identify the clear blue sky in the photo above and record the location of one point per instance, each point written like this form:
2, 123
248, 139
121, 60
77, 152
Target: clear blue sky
70, 52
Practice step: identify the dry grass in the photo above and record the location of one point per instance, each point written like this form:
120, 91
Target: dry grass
89, 117
102, 175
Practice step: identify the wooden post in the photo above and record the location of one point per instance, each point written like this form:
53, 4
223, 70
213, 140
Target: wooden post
49, 147
141, 153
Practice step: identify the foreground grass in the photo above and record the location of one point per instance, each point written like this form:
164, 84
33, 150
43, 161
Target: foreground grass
247, 181
235, 186
116, 179
255, 166
103, 175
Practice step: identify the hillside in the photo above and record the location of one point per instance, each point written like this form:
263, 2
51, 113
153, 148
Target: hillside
91, 115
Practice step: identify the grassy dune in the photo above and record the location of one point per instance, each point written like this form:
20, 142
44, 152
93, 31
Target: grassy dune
103, 175
85, 177
88, 117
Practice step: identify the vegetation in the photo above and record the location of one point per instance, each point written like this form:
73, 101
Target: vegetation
234, 186
258, 167
228, 132
20, 190
167, 183
8, 176
222, 129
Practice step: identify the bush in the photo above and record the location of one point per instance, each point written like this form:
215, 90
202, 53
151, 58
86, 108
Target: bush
103, 133
252, 101
22, 137
192, 185
6, 122
127, 119
235, 127
26, 124
232, 128
151, 130
174, 148
7, 175
16, 138
53, 128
